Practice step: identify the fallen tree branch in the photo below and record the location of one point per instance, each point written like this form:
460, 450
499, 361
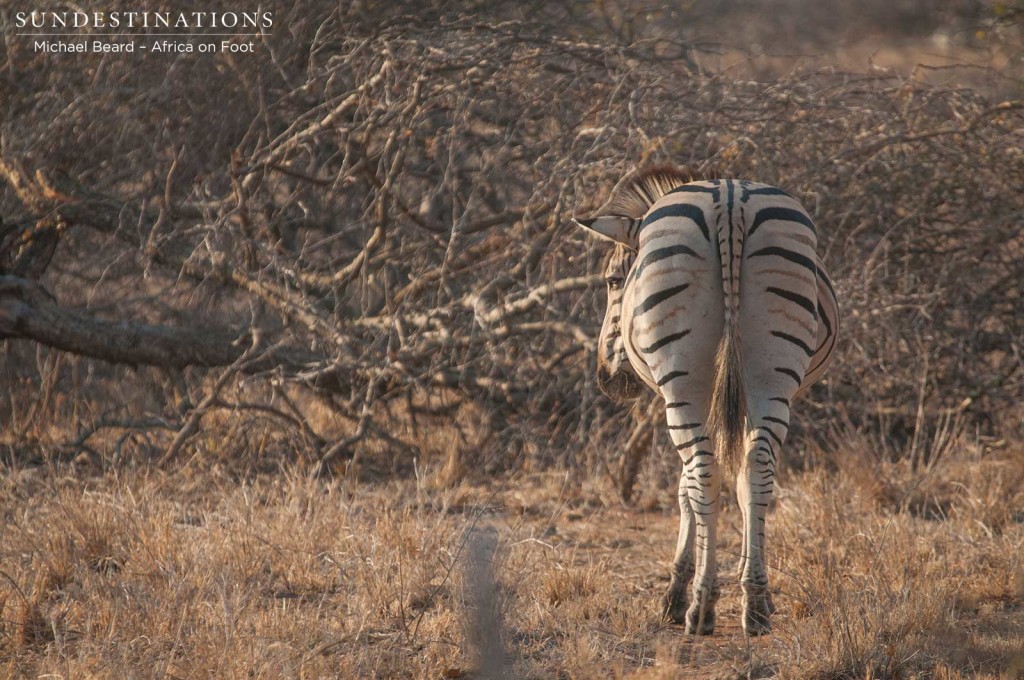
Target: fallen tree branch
28, 311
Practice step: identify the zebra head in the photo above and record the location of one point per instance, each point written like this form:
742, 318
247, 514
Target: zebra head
615, 375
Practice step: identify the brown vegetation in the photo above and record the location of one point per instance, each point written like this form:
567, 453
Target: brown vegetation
350, 254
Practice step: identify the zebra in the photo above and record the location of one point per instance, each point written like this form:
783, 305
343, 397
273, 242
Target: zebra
717, 301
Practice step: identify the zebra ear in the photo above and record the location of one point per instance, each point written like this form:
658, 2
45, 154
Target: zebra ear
612, 228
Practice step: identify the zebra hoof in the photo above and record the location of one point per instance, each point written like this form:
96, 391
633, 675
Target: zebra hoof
673, 603
698, 622
757, 613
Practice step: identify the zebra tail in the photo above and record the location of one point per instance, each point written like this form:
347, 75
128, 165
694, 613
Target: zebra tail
727, 419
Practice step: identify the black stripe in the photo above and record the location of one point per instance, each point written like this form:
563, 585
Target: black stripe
789, 372
658, 344
778, 213
677, 404
796, 341
781, 400
684, 426
699, 452
824, 319
773, 436
779, 421
787, 254
830, 340
671, 376
768, 191
634, 228
661, 254
653, 300
823, 276
695, 189
830, 337
812, 369
695, 440
793, 297
830, 334
686, 210
730, 193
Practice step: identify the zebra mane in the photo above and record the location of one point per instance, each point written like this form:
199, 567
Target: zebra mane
638, 191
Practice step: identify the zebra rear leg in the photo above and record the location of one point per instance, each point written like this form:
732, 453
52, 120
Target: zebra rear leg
703, 490
674, 602
698, 505
754, 487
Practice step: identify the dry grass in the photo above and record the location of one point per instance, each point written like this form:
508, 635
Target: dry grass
880, 572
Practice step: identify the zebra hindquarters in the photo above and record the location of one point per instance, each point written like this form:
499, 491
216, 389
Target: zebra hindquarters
778, 331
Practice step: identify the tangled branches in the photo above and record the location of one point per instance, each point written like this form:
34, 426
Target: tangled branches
388, 208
